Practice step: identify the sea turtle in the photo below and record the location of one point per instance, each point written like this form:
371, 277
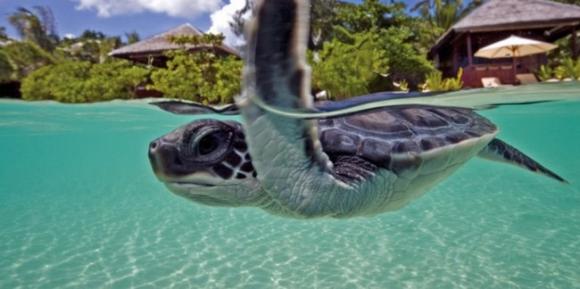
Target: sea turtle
359, 164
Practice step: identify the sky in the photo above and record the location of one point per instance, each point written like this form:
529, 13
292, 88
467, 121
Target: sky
146, 17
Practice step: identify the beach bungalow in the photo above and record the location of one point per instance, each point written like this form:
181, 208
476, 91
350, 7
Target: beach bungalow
495, 20
152, 50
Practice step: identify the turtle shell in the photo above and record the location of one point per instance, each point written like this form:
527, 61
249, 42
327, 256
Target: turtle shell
407, 132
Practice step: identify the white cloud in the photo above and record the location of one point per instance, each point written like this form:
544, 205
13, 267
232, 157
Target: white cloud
221, 22
179, 8
221, 15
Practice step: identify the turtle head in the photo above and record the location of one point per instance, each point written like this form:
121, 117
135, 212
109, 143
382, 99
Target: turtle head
207, 161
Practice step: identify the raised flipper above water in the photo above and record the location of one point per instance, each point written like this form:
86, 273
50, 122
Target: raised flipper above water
500, 151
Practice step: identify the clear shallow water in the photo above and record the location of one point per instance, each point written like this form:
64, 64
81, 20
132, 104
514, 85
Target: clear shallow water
80, 208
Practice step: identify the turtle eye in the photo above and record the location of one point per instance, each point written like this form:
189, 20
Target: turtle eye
208, 144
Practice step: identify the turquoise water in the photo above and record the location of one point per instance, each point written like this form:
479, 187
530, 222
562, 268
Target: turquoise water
80, 208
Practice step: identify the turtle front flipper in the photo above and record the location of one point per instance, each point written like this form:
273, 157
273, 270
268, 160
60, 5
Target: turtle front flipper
286, 152
276, 72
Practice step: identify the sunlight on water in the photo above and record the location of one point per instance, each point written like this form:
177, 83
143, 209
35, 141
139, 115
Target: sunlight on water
81, 209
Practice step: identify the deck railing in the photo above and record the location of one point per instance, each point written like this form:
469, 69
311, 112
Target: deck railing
473, 74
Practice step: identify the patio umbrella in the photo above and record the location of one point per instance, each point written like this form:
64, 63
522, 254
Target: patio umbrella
513, 47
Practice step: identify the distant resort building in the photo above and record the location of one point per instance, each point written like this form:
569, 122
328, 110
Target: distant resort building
495, 20
4, 42
152, 50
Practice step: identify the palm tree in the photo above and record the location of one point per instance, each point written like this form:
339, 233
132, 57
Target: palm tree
322, 15
132, 37
3, 35
424, 8
239, 18
444, 13
38, 28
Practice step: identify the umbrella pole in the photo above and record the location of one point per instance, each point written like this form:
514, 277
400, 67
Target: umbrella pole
515, 72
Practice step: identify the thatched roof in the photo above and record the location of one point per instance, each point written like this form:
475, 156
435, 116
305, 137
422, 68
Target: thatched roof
502, 15
159, 43
4, 42
512, 12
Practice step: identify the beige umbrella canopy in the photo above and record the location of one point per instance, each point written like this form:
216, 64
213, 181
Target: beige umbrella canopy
514, 46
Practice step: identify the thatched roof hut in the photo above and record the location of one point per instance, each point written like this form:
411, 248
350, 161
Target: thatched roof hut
152, 50
498, 19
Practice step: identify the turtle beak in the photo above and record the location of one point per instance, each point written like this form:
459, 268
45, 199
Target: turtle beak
154, 149
162, 152
154, 152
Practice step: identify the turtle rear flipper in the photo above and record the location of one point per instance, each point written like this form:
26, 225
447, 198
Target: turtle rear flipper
500, 151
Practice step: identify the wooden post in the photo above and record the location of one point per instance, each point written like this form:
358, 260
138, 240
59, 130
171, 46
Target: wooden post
573, 43
469, 50
455, 57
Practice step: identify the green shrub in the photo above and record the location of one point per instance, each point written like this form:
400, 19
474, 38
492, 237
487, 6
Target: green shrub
404, 61
359, 63
228, 82
435, 82
451, 84
77, 81
202, 77
113, 80
61, 82
348, 69
568, 68
545, 73
6, 69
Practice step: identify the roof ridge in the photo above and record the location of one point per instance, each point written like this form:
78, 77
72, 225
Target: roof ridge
500, 5
188, 24
174, 29
161, 41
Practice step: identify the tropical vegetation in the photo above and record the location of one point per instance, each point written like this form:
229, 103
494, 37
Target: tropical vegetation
565, 69
202, 77
365, 48
436, 83
353, 49
83, 81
